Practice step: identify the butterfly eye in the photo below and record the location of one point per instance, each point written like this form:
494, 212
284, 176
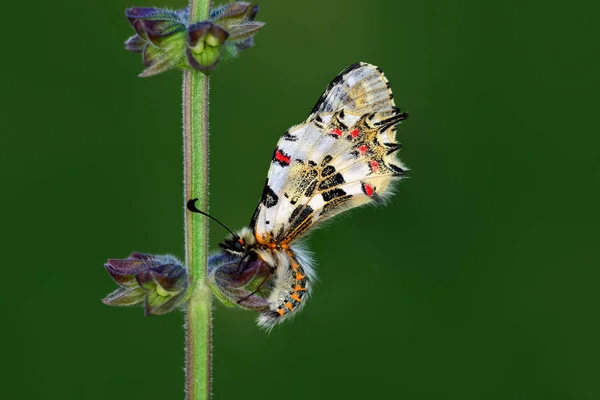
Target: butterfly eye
238, 245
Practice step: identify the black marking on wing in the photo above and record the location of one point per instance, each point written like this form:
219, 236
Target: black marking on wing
308, 176
393, 120
269, 198
311, 189
387, 85
338, 201
392, 147
287, 136
336, 121
255, 217
280, 234
299, 216
397, 170
333, 194
318, 121
331, 181
357, 154
328, 170
326, 160
259, 206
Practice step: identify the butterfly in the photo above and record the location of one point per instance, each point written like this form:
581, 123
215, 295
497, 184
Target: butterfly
343, 156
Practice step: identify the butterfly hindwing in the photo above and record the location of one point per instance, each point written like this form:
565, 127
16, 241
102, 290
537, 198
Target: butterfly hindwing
342, 157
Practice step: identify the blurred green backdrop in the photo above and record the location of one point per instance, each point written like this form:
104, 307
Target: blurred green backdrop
478, 281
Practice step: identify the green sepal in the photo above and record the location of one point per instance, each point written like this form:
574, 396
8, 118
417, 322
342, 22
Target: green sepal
235, 13
125, 297
241, 32
157, 304
160, 59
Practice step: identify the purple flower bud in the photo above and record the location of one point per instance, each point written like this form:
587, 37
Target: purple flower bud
159, 282
246, 284
160, 37
165, 38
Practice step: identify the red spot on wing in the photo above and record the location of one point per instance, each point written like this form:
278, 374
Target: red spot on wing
354, 133
363, 149
368, 189
282, 158
336, 132
374, 165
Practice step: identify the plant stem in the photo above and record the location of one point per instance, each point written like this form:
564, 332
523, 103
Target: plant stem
198, 324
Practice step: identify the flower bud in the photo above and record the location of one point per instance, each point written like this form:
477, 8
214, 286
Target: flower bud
238, 20
159, 282
205, 45
166, 39
160, 37
246, 284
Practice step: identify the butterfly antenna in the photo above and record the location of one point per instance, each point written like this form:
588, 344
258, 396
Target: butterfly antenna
191, 205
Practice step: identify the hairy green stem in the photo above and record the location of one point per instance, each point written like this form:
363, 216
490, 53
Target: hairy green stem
198, 368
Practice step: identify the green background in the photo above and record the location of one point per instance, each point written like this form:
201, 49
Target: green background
478, 281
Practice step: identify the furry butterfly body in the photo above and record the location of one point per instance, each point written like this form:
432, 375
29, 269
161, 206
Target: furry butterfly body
343, 156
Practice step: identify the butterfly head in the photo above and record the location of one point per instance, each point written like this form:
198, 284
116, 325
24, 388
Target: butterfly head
235, 245
240, 243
